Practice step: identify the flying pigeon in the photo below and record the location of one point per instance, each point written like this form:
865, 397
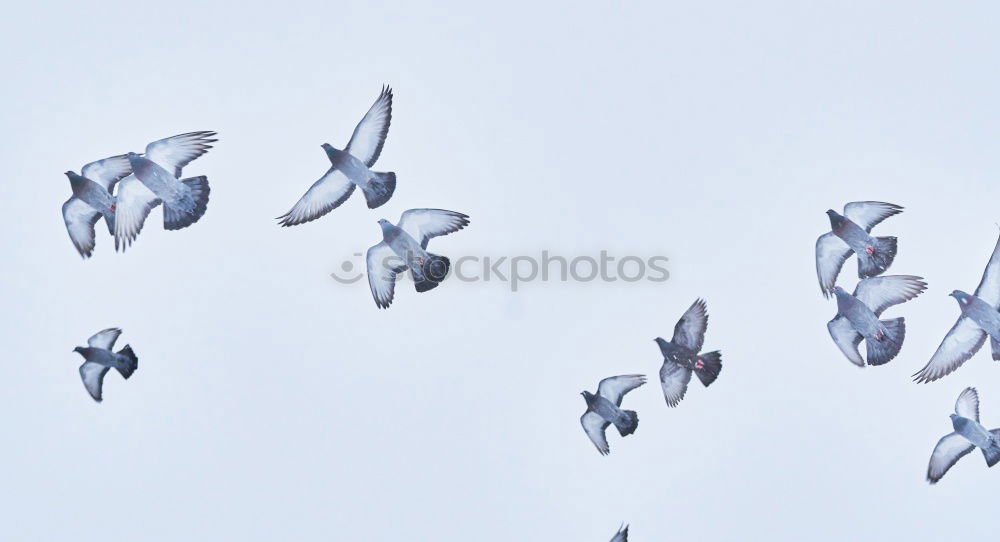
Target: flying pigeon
603, 409
681, 357
621, 535
351, 167
851, 234
979, 318
99, 358
404, 247
969, 434
156, 179
92, 198
857, 317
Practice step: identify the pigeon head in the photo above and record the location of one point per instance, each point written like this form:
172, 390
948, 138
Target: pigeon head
960, 296
586, 395
840, 292
78, 350
385, 225
835, 218
659, 340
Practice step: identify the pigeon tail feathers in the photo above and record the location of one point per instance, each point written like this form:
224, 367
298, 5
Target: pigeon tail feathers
992, 454
883, 252
379, 188
176, 219
995, 346
882, 351
432, 272
131, 364
710, 367
627, 422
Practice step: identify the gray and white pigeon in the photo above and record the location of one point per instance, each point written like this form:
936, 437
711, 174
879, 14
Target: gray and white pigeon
681, 357
351, 168
858, 317
404, 247
92, 198
979, 318
850, 234
621, 535
156, 179
604, 409
969, 434
99, 358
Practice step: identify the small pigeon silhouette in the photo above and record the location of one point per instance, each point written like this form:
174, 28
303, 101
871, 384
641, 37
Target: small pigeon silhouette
969, 434
92, 198
603, 409
351, 168
681, 357
621, 535
99, 358
156, 179
858, 317
850, 234
979, 318
404, 247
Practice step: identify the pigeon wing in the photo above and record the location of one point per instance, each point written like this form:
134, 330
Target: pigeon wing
880, 293
423, 224
594, 425
948, 451
869, 213
967, 405
689, 331
175, 152
846, 338
133, 204
80, 219
831, 253
674, 381
989, 287
963, 340
614, 388
369, 135
93, 378
325, 195
105, 339
621, 535
108, 172
383, 266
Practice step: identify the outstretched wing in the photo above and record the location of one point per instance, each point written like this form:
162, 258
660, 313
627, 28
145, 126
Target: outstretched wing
846, 338
614, 388
105, 339
594, 425
422, 224
967, 405
133, 204
80, 219
674, 381
369, 135
868, 213
948, 451
108, 172
880, 293
989, 287
963, 340
93, 378
175, 152
689, 331
383, 266
831, 253
325, 195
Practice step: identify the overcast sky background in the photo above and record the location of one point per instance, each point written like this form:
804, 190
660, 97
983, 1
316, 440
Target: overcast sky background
272, 403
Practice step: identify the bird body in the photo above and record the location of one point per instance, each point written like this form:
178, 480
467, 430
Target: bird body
92, 198
858, 315
604, 409
861, 318
969, 434
982, 313
99, 358
681, 355
850, 233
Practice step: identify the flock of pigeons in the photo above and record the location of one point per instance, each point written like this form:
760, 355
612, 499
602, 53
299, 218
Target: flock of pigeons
125, 188
858, 316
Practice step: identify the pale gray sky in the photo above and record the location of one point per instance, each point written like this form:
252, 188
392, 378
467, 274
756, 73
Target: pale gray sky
271, 403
